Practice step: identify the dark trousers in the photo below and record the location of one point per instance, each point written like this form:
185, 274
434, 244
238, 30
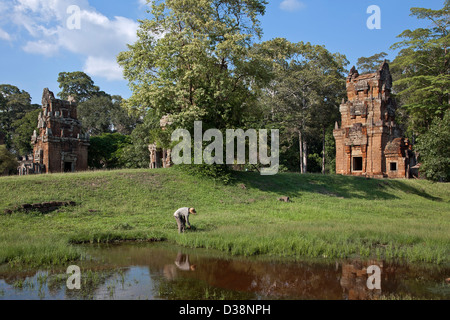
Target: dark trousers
181, 222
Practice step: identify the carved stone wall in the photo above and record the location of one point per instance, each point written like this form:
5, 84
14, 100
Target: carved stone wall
160, 157
59, 145
368, 142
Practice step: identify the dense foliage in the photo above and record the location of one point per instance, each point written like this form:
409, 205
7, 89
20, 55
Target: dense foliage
105, 151
14, 105
422, 70
8, 162
201, 60
434, 150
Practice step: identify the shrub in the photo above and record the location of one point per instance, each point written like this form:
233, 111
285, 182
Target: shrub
219, 173
8, 162
434, 149
105, 151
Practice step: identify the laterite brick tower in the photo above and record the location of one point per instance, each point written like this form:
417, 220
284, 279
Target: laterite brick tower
369, 143
60, 145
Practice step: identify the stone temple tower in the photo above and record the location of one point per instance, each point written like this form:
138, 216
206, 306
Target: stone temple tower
60, 145
369, 143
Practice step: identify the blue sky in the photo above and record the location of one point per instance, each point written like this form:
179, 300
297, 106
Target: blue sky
36, 45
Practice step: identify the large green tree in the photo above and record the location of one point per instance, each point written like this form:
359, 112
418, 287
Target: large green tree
422, 69
306, 87
105, 151
23, 130
8, 162
434, 150
99, 112
14, 104
193, 60
78, 85
137, 154
122, 121
105, 114
95, 114
371, 64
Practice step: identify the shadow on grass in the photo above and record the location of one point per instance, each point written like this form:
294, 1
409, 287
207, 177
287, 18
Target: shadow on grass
292, 185
400, 185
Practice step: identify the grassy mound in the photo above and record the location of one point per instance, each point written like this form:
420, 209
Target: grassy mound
328, 216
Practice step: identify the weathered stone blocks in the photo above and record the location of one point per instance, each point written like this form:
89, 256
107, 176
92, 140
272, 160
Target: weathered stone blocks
368, 142
60, 145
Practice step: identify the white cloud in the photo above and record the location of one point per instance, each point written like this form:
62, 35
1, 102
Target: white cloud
41, 47
292, 5
103, 67
4, 35
98, 40
98, 35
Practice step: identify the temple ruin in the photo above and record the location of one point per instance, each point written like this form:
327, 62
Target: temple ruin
59, 145
160, 157
369, 142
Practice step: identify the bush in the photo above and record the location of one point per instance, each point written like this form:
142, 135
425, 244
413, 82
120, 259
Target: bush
136, 154
219, 173
434, 149
106, 151
8, 162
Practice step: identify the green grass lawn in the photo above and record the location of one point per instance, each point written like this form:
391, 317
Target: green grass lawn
329, 216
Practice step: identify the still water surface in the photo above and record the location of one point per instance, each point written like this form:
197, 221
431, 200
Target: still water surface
164, 271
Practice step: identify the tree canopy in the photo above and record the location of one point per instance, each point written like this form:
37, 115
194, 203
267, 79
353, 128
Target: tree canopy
422, 69
14, 105
23, 130
371, 64
8, 162
99, 111
306, 86
434, 150
78, 85
193, 60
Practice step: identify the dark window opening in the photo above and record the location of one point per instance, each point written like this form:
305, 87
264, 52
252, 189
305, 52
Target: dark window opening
67, 166
357, 164
393, 166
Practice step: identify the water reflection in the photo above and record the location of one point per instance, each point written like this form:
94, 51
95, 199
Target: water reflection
161, 271
181, 263
354, 278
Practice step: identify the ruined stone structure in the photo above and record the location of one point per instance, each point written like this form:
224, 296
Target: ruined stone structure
159, 157
28, 166
60, 145
369, 143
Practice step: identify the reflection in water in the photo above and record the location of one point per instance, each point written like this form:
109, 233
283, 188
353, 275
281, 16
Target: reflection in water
161, 271
181, 263
354, 280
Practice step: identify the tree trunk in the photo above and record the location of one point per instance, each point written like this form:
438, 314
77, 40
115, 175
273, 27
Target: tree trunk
323, 151
305, 156
300, 144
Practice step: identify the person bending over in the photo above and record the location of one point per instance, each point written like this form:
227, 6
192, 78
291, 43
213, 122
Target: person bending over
182, 217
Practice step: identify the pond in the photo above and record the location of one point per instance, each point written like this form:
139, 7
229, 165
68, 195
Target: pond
161, 271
